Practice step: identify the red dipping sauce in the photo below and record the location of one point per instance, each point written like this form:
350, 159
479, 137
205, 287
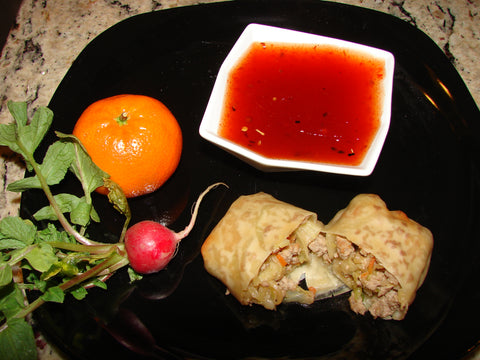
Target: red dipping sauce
304, 103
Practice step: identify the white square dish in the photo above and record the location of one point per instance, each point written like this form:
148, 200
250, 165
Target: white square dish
255, 33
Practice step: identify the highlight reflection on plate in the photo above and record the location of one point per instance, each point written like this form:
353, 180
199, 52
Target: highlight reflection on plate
428, 168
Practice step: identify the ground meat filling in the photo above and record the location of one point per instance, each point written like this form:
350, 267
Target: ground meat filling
289, 255
374, 289
272, 284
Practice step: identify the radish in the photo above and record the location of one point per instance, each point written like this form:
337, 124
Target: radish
150, 246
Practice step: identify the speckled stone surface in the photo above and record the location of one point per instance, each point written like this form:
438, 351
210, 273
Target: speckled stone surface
49, 35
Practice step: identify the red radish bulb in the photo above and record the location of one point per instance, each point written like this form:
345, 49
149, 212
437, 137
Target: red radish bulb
150, 246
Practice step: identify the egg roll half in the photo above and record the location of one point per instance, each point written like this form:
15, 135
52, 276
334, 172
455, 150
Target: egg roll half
259, 250
382, 255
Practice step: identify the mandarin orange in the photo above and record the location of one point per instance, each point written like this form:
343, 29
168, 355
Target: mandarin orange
133, 138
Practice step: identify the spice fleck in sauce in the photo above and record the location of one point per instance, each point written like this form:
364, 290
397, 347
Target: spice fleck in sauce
304, 102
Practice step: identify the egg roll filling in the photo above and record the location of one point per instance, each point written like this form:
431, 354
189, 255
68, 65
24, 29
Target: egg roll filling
374, 289
285, 277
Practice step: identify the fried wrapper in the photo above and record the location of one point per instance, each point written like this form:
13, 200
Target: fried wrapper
390, 258
259, 250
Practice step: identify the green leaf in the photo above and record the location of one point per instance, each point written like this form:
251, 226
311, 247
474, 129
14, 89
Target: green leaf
11, 300
67, 267
55, 165
79, 293
57, 160
94, 215
117, 197
14, 231
8, 137
133, 275
17, 341
53, 271
36, 282
19, 112
81, 214
54, 294
26, 183
6, 244
100, 284
89, 174
66, 203
9, 132
16, 255
42, 257
33, 134
28, 135
50, 233
5, 274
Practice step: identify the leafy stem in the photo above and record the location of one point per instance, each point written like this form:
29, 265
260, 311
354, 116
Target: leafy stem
51, 253
112, 260
61, 218
92, 249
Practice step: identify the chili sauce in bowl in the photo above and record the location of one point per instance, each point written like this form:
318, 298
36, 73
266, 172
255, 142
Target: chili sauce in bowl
287, 100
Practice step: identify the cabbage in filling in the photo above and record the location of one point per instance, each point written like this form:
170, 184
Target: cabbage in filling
279, 277
374, 289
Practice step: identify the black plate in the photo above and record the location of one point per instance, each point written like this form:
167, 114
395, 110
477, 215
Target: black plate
428, 168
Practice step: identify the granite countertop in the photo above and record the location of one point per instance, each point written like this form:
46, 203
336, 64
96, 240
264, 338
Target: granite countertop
48, 35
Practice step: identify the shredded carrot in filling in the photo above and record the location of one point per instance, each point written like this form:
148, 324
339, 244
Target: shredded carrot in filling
369, 268
281, 259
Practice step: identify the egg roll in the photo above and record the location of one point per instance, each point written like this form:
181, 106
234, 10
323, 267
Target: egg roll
382, 255
259, 250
